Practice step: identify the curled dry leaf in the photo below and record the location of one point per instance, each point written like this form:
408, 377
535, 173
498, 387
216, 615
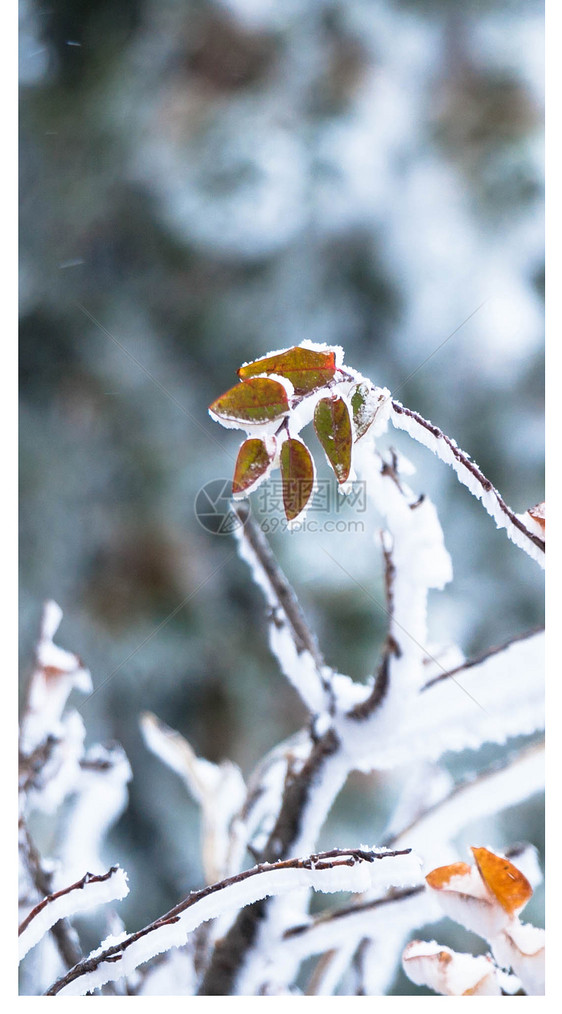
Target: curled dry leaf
297, 475
306, 369
448, 972
333, 429
252, 464
255, 401
443, 875
508, 885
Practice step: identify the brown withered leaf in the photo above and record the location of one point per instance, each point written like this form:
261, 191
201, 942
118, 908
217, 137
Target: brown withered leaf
503, 879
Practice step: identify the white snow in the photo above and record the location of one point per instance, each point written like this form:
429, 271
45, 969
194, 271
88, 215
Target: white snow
76, 899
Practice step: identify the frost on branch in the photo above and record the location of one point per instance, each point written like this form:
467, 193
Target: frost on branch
85, 894
56, 769
338, 870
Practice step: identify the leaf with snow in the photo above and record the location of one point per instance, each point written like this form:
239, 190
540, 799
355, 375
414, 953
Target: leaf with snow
253, 463
485, 899
307, 369
448, 972
364, 405
253, 402
333, 429
297, 475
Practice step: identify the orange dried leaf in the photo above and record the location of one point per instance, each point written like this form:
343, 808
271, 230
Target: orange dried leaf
297, 475
252, 462
306, 369
333, 429
440, 877
503, 879
254, 401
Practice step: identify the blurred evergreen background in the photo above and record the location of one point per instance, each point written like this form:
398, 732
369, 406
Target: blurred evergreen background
211, 179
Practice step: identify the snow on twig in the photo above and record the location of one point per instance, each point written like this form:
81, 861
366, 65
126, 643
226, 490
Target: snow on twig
291, 639
90, 891
333, 871
470, 475
516, 780
55, 674
416, 561
500, 696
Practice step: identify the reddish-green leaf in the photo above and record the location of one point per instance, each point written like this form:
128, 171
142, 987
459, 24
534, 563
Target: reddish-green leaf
306, 369
333, 427
364, 406
297, 474
252, 462
254, 401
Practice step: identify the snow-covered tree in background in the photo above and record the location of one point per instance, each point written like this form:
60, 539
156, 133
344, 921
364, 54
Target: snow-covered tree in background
250, 928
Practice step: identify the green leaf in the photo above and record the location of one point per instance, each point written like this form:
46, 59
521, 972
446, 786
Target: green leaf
297, 475
306, 369
254, 401
333, 428
252, 463
364, 406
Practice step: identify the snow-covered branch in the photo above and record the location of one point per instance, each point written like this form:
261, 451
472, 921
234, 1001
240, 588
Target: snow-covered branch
520, 530
90, 891
290, 637
333, 871
516, 780
56, 673
500, 696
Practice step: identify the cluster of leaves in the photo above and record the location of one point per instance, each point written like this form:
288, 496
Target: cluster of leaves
487, 900
265, 400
